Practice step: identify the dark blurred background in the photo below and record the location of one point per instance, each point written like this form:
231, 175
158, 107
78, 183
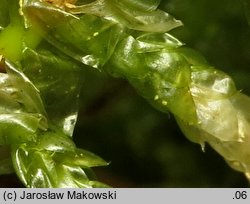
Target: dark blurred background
145, 147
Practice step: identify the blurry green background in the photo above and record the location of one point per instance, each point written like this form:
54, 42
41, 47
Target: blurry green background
145, 147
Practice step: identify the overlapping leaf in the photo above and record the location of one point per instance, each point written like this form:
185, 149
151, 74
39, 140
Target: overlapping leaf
128, 37
38, 109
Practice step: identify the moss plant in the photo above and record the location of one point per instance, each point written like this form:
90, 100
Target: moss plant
45, 45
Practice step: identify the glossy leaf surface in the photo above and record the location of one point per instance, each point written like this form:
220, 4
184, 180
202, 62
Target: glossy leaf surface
44, 47
38, 111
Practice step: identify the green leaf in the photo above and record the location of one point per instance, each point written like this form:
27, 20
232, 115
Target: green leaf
33, 167
133, 55
48, 72
55, 142
137, 15
21, 108
81, 158
148, 5
38, 164
98, 36
39, 106
192, 56
26, 92
24, 127
153, 65
156, 41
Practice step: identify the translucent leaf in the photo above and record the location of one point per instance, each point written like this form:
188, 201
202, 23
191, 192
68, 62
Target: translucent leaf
48, 72
148, 5
27, 93
55, 142
137, 15
81, 158
157, 41
157, 71
33, 167
211, 90
88, 39
126, 61
193, 57
21, 108
39, 168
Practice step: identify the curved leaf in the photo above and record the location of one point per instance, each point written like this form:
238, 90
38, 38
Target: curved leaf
136, 15
47, 163
91, 49
21, 109
48, 72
